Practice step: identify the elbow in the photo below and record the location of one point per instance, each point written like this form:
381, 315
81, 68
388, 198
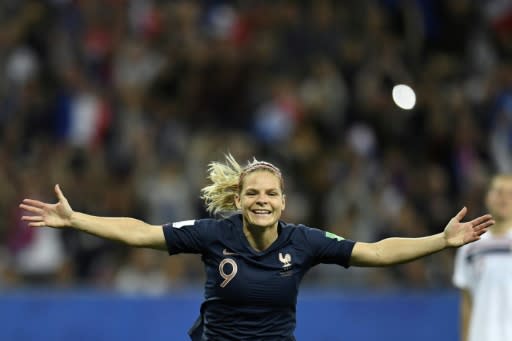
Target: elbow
381, 259
134, 236
134, 233
138, 239
386, 256
149, 236
370, 254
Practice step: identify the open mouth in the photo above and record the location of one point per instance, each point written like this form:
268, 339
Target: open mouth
261, 212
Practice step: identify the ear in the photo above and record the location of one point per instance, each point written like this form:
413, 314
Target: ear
284, 201
237, 202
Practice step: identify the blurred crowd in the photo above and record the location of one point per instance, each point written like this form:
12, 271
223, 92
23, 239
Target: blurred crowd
124, 103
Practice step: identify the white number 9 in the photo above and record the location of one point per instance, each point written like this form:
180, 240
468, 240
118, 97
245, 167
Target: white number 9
227, 277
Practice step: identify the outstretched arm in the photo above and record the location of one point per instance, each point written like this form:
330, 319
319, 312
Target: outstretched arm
391, 251
60, 215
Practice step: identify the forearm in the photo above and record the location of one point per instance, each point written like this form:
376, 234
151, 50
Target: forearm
126, 230
401, 250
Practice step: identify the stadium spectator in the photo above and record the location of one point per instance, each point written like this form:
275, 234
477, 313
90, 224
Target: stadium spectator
131, 86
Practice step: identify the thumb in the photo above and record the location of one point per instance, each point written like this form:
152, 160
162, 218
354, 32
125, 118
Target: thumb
59, 194
461, 214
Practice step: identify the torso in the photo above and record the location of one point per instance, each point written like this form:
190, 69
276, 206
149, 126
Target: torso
485, 269
247, 289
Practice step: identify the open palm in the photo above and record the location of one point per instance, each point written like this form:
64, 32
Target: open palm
458, 233
43, 214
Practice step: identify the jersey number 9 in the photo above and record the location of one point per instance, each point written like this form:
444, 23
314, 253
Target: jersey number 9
227, 276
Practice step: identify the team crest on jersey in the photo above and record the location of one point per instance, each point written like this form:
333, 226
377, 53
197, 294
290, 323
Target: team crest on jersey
286, 259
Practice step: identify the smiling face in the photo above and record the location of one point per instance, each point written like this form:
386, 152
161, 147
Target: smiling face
261, 199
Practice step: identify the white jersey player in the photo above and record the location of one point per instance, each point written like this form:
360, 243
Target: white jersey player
483, 272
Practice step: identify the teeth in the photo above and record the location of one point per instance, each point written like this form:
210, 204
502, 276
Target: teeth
261, 212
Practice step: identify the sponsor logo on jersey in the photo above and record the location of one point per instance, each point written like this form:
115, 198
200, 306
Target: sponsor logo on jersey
225, 252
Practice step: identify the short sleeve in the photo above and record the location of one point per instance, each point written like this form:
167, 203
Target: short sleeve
328, 248
189, 236
460, 270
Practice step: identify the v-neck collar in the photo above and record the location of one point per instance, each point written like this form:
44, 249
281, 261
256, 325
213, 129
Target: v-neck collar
237, 221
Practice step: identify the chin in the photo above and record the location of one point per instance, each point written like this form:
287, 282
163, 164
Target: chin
262, 223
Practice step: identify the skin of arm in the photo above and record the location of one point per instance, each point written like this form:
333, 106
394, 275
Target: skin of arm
129, 231
394, 250
391, 251
60, 215
466, 306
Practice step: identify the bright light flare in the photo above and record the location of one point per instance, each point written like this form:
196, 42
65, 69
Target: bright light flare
404, 96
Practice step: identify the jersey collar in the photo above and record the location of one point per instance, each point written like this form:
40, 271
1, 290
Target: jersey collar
237, 221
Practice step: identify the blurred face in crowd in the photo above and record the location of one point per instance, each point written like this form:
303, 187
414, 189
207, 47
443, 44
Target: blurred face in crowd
261, 199
499, 198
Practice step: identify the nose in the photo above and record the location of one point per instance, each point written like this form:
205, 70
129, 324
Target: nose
261, 199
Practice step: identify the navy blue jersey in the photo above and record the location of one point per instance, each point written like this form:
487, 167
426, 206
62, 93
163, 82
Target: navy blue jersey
251, 295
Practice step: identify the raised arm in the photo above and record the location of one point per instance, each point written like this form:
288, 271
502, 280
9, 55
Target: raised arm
130, 231
391, 251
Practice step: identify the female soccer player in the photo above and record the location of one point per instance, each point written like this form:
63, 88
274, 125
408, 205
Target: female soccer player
253, 261
483, 272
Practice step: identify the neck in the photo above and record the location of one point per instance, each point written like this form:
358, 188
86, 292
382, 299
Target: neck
501, 227
260, 238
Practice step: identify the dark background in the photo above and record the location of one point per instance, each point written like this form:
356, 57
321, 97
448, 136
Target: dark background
124, 103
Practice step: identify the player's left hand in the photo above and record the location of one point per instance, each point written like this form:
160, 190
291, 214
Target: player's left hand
458, 233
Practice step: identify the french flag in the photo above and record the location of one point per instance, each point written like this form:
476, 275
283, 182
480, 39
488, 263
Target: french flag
83, 119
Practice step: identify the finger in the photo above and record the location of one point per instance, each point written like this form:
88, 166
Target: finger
482, 231
480, 220
32, 218
31, 209
37, 224
484, 225
474, 239
35, 203
461, 214
59, 193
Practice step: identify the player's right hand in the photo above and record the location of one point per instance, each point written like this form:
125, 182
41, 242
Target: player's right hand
43, 214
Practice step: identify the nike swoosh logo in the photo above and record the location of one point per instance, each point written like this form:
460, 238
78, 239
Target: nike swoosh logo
225, 252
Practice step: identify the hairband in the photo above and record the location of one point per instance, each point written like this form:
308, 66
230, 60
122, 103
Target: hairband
261, 164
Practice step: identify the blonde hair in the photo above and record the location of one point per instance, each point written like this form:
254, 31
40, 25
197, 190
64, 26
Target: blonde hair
498, 177
226, 182
502, 176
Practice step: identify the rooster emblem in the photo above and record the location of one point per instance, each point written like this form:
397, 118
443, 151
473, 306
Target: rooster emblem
286, 259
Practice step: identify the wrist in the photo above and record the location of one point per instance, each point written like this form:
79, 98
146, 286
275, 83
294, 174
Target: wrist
73, 220
446, 240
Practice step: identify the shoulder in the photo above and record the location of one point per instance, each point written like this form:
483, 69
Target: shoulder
197, 234
205, 229
293, 230
200, 223
308, 233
